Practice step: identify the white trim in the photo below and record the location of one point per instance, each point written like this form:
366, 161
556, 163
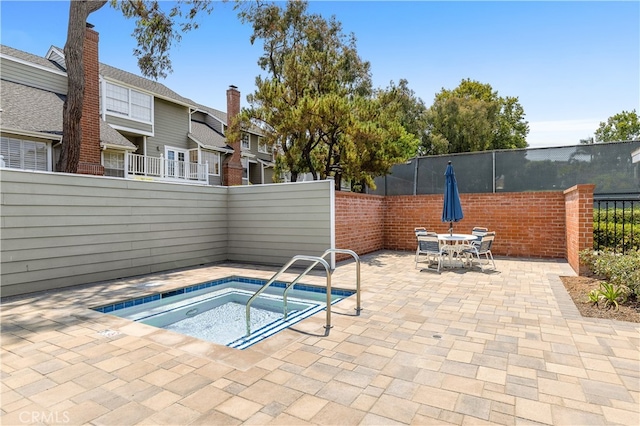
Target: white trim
117, 147
242, 137
54, 51
168, 148
266, 164
103, 88
33, 64
191, 112
124, 160
223, 123
248, 178
129, 115
210, 166
332, 221
267, 147
128, 86
48, 161
139, 89
209, 147
131, 130
114, 114
40, 135
175, 167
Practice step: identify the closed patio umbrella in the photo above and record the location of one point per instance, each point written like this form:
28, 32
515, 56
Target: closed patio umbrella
451, 209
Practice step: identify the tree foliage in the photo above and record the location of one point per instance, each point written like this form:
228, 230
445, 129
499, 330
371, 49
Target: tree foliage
624, 126
472, 117
156, 31
316, 103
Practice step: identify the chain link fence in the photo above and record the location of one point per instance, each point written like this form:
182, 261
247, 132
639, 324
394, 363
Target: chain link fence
612, 167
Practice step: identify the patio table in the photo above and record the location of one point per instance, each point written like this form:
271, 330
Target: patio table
453, 244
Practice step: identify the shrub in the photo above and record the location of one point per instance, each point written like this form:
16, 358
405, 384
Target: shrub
619, 270
616, 228
616, 236
611, 294
618, 214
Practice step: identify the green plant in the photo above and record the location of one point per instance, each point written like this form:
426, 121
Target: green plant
616, 236
610, 294
616, 228
619, 215
616, 269
594, 296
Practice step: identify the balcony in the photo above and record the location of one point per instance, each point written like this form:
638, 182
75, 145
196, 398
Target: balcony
143, 167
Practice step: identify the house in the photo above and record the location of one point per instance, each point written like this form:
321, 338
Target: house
133, 127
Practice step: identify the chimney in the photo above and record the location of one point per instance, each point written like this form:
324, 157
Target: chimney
232, 167
90, 158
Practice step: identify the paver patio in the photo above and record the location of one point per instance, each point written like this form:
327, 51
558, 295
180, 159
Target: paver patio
460, 347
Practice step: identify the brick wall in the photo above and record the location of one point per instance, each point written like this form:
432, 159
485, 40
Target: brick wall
551, 225
232, 167
579, 229
527, 224
90, 152
359, 223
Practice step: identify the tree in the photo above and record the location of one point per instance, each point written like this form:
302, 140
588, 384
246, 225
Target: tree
155, 33
472, 117
382, 134
316, 103
624, 126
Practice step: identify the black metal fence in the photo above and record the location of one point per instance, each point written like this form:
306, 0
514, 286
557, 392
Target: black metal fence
612, 167
616, 222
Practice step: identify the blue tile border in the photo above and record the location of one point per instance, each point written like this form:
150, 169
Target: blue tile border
257, 281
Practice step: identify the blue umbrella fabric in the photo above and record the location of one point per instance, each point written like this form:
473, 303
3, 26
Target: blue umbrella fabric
451, 209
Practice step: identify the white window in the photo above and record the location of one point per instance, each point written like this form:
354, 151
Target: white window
140, 106
26, 155
117, 99
176, 162
246, 144
113, 162
263, 147
245, 168
213, 158
127, 102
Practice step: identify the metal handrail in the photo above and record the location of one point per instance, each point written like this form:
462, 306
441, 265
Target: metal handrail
328, 251
316, 260
284, 268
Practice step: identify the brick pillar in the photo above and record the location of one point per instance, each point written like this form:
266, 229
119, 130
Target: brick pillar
579, 223
232, 166
90, 158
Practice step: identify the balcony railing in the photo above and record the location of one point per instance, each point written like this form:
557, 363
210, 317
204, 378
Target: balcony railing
159, 168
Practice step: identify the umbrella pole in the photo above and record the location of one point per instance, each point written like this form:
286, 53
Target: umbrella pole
450, 228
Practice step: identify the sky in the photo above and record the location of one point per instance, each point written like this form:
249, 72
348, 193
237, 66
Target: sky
571, 64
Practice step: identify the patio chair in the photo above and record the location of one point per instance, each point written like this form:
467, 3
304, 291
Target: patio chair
420, 231
479, 232
481, 248
429, 246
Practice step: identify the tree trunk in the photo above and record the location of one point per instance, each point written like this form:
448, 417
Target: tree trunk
72, 110
337, 177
